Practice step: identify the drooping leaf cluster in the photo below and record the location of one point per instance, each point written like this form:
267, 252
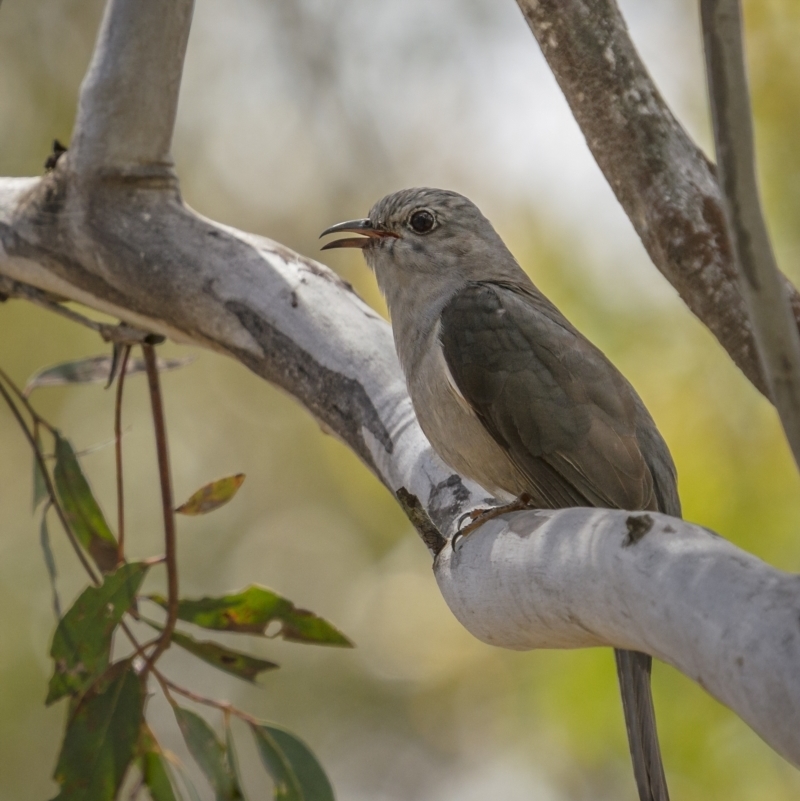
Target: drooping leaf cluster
107, 735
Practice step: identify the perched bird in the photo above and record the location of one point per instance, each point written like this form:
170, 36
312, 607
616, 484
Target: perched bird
511, 395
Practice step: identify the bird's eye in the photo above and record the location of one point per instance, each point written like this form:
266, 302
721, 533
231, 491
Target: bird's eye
422, 221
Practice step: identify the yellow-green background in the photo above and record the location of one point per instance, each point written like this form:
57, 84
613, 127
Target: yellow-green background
295, 115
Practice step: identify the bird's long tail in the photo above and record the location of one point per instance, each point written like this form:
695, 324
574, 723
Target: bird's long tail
633, 671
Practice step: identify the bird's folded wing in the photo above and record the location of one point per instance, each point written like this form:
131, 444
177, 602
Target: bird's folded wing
566, 416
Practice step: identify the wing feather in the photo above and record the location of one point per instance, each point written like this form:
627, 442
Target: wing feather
568, 419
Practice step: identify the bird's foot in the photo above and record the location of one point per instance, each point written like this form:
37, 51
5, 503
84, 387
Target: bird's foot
477, 517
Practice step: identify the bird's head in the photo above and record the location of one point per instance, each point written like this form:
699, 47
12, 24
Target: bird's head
433, 239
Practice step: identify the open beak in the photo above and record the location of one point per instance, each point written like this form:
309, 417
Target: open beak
363, 227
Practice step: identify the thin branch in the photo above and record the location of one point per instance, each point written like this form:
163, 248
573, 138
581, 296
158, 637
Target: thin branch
224, 706
119, 333
167, 503
35, 416
139, 649
126, 352
46, 476
18, 289
761, 283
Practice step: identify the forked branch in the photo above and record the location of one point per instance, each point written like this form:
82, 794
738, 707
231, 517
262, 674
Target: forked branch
664, 182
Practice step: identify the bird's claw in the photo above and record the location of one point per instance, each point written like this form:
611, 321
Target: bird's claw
471, 515
478, 517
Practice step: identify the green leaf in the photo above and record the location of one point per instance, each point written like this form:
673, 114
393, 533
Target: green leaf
82, 642
294, 769
155, 773
252, 610
49, 561
209, 753
242, 665
39, 484
235, 662
233, 762
101, 737
94, 370
156, 777
81, 509
212, 496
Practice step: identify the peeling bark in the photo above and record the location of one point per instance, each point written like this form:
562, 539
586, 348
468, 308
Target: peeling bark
664, 182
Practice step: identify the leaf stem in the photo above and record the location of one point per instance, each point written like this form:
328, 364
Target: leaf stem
170, 553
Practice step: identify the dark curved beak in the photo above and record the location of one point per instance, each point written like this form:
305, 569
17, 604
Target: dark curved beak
363, 227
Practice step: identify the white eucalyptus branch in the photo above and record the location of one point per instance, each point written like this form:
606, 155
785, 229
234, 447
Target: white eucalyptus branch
585, 577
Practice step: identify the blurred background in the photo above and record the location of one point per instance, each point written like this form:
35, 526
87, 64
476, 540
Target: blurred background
299, 113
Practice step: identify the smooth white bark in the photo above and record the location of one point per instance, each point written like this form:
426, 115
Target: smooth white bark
586, 577
129, 97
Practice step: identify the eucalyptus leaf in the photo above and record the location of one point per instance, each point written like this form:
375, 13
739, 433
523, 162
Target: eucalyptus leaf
49, 561
210, 754
39, 484
295, 771
155, 773
102, 736
94, 370
252, 610
235, 662
212, 496
82, 510
233, 761
82, 642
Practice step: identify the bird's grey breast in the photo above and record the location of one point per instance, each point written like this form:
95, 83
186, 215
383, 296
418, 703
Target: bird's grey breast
451, 425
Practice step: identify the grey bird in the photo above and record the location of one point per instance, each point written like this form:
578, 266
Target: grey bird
511, 395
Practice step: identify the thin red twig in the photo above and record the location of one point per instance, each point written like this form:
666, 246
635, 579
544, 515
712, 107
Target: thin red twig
126, 352
139, 650
226, 707
166, 501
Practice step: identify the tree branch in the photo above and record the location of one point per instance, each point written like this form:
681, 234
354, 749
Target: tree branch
645, 582
665, 184
129, 97
760, 281
137, 253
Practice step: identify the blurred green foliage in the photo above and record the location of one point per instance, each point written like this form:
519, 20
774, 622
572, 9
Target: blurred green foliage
774, 61
419, 710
